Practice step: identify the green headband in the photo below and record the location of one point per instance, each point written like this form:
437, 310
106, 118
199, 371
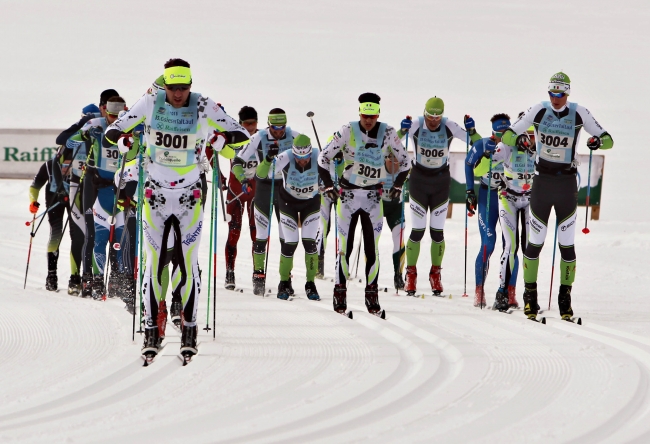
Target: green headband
369, 109
277, 119
178, 75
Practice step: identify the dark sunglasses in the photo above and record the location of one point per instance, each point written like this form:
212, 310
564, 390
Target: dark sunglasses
278, 127
373, 117
556, 95
177, 87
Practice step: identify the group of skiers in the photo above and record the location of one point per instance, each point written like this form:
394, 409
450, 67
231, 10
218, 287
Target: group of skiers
122, 170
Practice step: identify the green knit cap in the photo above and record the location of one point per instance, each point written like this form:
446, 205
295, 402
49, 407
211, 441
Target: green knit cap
560, 77
301, 146
560, 83
434, 107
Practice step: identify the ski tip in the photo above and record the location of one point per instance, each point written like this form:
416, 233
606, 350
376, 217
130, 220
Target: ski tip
359, 280
349, 315
465, 295
579, 321
543, 321
383, 314
385, 289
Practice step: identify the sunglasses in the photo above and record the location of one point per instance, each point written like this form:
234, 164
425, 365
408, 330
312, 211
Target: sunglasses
278, 127
373, 117
498, 134
248, 122
556, 95
432, 116
177, 87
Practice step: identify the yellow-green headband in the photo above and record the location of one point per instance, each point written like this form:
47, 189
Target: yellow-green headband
178, 75
369, 109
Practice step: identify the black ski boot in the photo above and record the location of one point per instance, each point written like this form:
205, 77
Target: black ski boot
51, 281
531, 307
501, 301
188, 342
230, 280
291, 292
321, 267
114, 283
74, 285
175, 312
398, 281
259, 282
128, 296
99, 292
564, 302
284, 290
312, 293
86, 285
340, 298
151, 345
372, 299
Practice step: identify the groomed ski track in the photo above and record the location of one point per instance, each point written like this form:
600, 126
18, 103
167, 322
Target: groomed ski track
437, 369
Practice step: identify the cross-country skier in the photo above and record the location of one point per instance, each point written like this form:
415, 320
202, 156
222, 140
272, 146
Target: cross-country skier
365, 145
488, 186
393, 213
513, 201
431, 135
299, 205
277, 133
178, 124
238, 198
54, 174
557, 125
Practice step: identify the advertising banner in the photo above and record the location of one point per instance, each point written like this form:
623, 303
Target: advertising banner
25, 150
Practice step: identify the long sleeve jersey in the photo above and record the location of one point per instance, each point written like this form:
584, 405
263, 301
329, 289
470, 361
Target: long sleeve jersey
364, 156
246, 162
166, 145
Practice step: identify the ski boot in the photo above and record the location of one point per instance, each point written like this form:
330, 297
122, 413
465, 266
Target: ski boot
312, 293
230, 280
51, 281
372, 300
114, 284
479, 296
435, 281
161, 320
74, 285
283, 290
321, 267
259, 282
398, 281
291, 292
512, 297
188, 342
99, 292
531, 307
175, 312
86, 285
340, 298
151, 345
129, 296
411, 280
501, 301
564, 302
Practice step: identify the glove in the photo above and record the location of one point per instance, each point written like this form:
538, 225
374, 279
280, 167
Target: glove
217, 140
489, 147
405, 125
125, 143
394, 193
272, 152
245, 187
224, 182
470, 202
331, 193
524, 144
33, 207
470, 125
126, 202
593, 143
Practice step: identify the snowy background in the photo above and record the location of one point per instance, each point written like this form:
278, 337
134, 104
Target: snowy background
436, 369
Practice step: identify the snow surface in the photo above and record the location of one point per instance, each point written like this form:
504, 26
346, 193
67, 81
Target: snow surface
436, 369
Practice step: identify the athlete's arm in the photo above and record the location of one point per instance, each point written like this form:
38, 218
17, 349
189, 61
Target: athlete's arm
473, 157
236, 135
239, 162
264, 169
62, 138
590, 125
521, 125
338, 142
459, 133
40, 179
133, 117
400, 154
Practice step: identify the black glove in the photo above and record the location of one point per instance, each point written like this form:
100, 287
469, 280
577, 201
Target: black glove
272, 152
524, 144
470, 202
593, 143
331, 193
394, 193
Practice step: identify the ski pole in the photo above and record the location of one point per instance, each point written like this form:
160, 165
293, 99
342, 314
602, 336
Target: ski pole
487, 230
550, 291
29, 252
268, 237
465, 278
356, 270
310, 114
140, 231
214, 249
226, 217
211, 254
585, 230
38, 216
228, 202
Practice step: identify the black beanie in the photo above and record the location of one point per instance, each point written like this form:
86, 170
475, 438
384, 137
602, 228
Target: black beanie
369, 97
105, 95
247, 113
